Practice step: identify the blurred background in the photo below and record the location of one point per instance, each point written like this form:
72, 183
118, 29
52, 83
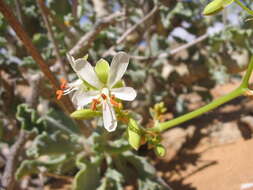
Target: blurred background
178, 57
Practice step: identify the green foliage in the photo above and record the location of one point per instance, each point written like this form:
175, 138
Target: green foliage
29, 119
56, 143
29, 167
88, 175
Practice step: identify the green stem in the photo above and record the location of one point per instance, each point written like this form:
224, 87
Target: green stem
165, 125
246, 77
244, 7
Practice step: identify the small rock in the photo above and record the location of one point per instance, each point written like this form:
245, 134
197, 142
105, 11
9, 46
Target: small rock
226, 133
174, 139
248, 120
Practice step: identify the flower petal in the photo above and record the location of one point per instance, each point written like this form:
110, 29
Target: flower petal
124, 93
82, 98
118, 68
85, 71
109, 117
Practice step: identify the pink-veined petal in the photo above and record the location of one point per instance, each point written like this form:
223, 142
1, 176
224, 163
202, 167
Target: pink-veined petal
85, 71
109, 117
118, 68
124, 93
82, 98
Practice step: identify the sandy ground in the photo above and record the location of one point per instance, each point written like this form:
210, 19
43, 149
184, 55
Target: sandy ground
225, 167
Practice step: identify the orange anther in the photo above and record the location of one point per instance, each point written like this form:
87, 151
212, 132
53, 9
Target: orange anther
103, 96
59, 94
63, 84
94, 104
114, 103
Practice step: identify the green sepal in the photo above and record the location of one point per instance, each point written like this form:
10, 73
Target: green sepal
85, 114
86, 57
119, 84
134, 134
213, 7
102, 69
160, 150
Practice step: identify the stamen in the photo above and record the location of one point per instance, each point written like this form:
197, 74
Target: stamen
103, 96
59, 94
114, 102
94, 104
63, 84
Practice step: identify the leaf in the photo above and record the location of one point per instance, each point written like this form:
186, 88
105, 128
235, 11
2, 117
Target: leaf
134, 134
147, 179
102, 69
29, 167
160, 150
57, 119
85, 114
112, 180
53, 144
88, 177
29, 119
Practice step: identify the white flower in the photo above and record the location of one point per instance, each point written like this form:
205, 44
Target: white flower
103, 93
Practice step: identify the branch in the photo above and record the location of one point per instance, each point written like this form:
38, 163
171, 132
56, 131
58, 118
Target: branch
173, 51
57, 22
52, 37
133, 28
111, 51
85, 42
19, 11
8, 180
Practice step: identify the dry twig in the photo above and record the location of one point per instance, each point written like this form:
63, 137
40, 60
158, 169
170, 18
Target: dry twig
58, 23
8, 180
85, 42
167, 54
134, 27
111, 51
52, 37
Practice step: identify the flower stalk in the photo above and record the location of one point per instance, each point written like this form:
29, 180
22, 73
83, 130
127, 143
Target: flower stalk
238, 2
241, 90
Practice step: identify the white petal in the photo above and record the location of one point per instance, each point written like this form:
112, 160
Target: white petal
82, 98
85, 71
76, 83
109, 117
118, 68
124, 93
71, 61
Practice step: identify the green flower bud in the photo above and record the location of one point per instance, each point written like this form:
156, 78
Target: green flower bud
160, 150
134, 134
216, 6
